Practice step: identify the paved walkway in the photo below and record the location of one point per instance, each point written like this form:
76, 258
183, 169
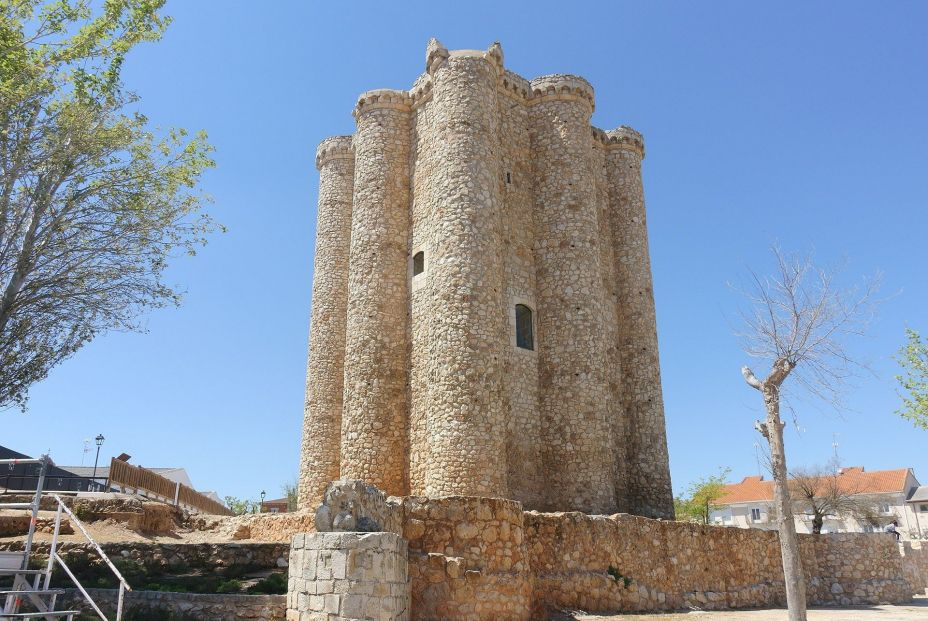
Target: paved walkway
916, 611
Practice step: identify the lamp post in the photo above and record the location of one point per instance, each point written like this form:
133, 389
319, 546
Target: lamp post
261, 509
99, 440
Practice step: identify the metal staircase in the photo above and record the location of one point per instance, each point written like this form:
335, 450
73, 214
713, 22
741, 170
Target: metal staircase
31, 586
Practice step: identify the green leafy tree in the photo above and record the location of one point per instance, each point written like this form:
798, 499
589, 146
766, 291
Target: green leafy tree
241, 506
93, 201
913, 358
698, 503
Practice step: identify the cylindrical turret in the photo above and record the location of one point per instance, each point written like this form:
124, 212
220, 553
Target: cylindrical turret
647, 468
374, 441
322, 417
572, 355
465, 316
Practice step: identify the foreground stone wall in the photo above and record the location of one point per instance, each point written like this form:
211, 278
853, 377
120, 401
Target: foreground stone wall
916, 564
183, 606
627, 563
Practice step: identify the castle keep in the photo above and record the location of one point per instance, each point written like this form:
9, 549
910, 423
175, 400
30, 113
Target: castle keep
483, 319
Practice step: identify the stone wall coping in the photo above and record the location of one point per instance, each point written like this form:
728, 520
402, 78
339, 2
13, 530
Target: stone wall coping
332, 148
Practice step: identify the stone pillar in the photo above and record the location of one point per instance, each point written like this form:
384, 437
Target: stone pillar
572, 358
322, 418
615, 410
465, 415
374, 420
647, 467
347, 576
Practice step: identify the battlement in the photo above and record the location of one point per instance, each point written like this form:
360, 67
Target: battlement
382, 98
334, 148
563, 87
624, 137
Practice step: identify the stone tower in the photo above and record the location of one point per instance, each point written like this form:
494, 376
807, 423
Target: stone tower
483, 319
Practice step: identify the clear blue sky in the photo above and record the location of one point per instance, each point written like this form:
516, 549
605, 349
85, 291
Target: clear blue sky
805, 123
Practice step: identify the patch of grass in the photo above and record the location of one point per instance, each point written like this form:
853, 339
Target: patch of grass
229, 586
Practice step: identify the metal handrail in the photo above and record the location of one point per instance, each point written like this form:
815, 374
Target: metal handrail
123, 584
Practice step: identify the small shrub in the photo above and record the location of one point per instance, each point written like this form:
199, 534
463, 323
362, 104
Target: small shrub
618, 577
229, 586
275, 584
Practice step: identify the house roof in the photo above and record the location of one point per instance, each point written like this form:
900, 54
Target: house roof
852, 479
919, 495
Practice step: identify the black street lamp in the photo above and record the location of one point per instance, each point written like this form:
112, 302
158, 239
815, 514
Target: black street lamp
99, 440
261, 510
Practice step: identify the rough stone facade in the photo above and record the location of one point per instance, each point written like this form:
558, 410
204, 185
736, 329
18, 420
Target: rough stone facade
348, 576
417, 382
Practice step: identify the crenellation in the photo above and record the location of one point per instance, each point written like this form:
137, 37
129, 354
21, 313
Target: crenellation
382, 99
500, 337
563, 87
332, 148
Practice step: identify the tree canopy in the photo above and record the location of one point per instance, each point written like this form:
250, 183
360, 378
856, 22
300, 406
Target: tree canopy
93, 201
913, 358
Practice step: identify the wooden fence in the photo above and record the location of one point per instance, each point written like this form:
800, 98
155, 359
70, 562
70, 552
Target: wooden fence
129, 477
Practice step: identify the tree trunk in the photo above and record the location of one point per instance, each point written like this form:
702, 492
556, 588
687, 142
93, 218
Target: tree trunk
817, 523
789, 542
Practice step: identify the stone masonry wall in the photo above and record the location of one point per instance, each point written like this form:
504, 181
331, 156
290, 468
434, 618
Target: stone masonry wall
182, 606
484, 558
660, 565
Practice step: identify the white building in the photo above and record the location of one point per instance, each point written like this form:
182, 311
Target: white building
896, 495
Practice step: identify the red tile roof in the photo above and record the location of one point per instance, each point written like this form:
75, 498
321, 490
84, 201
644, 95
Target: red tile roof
853, 479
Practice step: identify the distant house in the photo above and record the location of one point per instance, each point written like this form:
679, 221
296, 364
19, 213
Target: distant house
894, 493
278, 505
23, 477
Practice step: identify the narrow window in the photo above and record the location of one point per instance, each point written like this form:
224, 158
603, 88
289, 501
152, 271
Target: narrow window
508, 177
418, 263
755, 515
525, 335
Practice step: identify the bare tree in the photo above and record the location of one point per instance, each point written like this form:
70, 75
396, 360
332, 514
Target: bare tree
822, 491
797, 321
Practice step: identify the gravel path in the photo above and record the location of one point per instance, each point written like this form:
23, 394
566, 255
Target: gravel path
916, 611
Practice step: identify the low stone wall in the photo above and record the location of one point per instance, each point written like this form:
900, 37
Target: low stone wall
165, 558
915, 563
627, 563
183, 606
621, 562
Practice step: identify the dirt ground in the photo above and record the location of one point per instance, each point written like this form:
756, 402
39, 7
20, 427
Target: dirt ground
112, 531
916, 611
